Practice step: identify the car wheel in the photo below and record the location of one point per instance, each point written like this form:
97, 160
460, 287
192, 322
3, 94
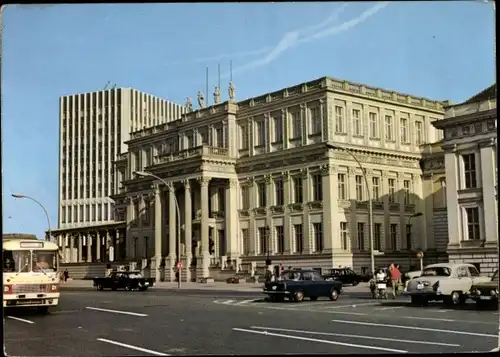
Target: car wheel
99, 287
299, 296
128, 288
334, 294
354, 283
313, 298
454, 299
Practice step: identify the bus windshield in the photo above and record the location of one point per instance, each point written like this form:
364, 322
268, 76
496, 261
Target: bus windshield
16, 261
44, 261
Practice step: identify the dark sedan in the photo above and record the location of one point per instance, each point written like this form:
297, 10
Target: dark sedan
302, 283
344, 275
128, 280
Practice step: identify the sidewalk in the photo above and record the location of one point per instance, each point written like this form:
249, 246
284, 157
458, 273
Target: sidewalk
219, 286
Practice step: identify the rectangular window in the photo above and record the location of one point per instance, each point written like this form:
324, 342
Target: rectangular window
344, 236
392, 190
376, 188
377, 235
262, 240
261, 189
394, 236
419, 133
244, 136
296, 125
299, 238
357, 123
260, 133
404, 131
318, 237
317, 187
407, 191
373, 125
339, 120
389, 128
473, 231
106, 212
279, 192
470, 179
245, 197
359, 187
278, 129
280, 239
245, 237
342, 186
315, 118
297, 190
361, 236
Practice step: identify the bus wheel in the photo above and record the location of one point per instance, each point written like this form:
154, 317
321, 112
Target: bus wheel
42, 310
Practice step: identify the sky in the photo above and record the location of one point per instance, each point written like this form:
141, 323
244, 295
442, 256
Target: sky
438, 50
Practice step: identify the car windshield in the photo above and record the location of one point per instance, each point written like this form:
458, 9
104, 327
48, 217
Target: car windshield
495, 276
437, 271
290, 275
44, 261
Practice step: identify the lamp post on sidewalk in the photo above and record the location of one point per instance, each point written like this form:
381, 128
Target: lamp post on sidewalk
20, 195
408, 237
170, 186
370, 203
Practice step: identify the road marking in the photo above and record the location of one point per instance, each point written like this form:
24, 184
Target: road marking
389, 308
354, 305
19, 319
225, 302
355, 336
64, 312
416, 328
320, 341
428, 318
244, 302
117, 311
133, 347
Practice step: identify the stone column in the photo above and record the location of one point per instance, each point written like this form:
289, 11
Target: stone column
453, 210
352, 220
386, 243
117, 251
98, 246
306, 225
158, 231
80, 248
269, 214
71, 249
89, 247
128, 233
231, 219
330, 209
188, 225
403, 220
205, 254
489, 192
252, 200
108, 246
286, 220
172, 232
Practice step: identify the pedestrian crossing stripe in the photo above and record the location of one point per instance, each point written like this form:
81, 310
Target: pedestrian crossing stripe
233, 302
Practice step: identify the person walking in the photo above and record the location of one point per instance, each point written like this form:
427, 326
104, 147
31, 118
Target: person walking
395, 277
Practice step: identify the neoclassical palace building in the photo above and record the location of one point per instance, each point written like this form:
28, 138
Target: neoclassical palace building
254, 180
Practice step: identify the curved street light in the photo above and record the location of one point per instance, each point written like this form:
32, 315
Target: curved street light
370, 204
170, 186
20, 195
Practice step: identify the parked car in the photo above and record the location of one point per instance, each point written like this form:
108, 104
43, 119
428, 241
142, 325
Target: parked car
487, 292
128, 280
409, 276
344, 275
450, 283
300, 283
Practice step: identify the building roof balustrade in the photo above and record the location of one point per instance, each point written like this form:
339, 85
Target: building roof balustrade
200, 151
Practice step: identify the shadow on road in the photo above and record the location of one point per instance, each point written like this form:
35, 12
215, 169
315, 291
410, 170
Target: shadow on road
440, 306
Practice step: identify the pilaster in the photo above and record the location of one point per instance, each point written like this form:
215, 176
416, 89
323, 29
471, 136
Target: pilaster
286, 130
303, 120
188, 224
306, 197
489, 191
231, 219
205, 255
128, 234
252, 232
269, 218
286, 220
88, 240
330, 208
98, 247
80, 248
353, 217
452, 176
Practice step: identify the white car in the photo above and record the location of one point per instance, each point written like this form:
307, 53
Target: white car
450, 283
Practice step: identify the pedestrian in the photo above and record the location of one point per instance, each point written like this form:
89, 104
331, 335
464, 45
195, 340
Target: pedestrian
66, 275
395, 276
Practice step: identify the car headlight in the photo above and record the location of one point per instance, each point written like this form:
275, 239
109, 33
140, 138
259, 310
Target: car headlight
494, 292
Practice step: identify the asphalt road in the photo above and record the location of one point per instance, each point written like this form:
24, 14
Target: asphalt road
104, 323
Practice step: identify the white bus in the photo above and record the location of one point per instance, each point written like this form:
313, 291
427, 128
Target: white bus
30, 273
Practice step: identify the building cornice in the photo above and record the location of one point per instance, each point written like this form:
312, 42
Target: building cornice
465, 119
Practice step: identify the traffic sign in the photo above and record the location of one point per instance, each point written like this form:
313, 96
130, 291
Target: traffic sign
420, 255
179, 265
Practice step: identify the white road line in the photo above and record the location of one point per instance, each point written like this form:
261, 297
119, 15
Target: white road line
417, 328
145, 350
354, 336
428, 318
116, 311
19, 319
354, 305
389, 308
244, 302
320, 341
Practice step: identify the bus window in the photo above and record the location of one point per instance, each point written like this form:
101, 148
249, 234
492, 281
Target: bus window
8, 262
16, 261
44, 260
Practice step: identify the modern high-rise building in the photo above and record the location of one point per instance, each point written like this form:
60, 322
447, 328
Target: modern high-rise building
92, 131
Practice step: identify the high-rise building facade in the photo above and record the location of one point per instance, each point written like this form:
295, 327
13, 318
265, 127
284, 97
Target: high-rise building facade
92, 131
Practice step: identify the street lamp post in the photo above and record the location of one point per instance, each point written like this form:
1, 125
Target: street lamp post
370, 203
170, 186
20, 195
408, 237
